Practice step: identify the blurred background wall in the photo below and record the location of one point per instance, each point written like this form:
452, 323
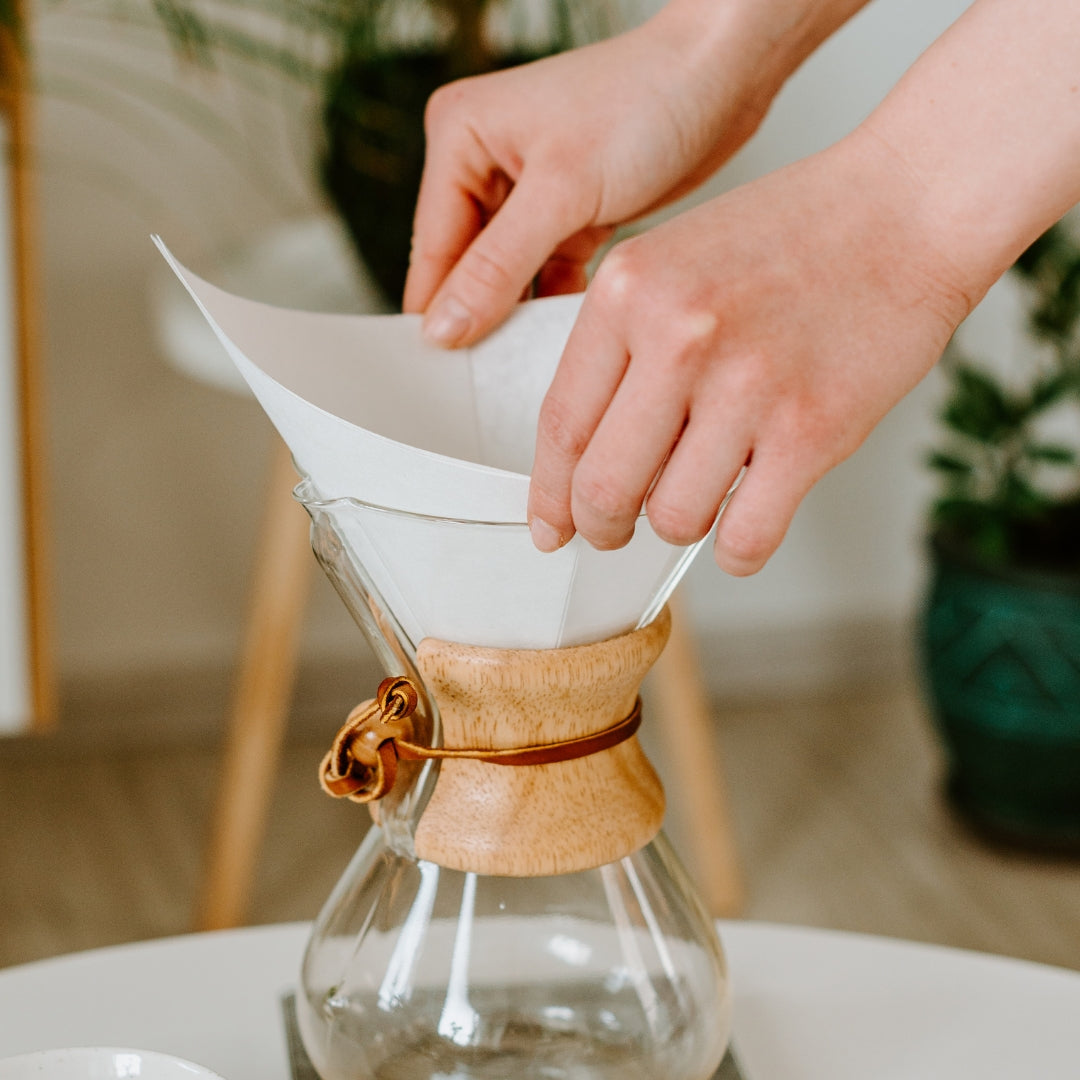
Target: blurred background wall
156, 480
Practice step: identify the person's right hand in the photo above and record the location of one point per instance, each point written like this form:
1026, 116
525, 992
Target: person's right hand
528, 170
771, 327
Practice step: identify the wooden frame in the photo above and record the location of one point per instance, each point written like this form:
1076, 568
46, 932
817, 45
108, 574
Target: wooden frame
24, 593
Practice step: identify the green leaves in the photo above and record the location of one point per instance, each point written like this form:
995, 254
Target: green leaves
1051, 389
1050, 453
951, 466
993, 456
11, 18
1052, 266
187, 31
981, 531
978, 407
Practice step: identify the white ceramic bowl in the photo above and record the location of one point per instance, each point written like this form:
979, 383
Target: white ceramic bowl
101, 1063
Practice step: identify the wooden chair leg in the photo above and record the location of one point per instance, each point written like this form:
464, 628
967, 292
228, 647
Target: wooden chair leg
261, 697
697, 768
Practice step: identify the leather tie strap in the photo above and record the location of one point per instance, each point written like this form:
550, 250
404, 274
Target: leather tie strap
362, 763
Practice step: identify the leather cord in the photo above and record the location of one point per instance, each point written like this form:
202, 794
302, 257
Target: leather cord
362, 763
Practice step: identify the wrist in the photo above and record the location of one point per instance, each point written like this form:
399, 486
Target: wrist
955, 234
986, 127
769, 38
878, 200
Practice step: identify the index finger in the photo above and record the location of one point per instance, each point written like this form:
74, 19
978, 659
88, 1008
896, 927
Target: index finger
457, 195
590, 371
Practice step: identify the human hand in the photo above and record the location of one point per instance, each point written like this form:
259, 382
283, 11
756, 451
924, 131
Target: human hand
773, 326
528, 170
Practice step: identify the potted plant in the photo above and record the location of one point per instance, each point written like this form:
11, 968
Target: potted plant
373, 100
380, 62
1001, 625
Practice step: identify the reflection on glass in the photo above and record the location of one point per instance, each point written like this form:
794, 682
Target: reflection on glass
416, 971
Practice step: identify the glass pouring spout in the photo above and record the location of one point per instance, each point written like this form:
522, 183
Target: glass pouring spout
515, 910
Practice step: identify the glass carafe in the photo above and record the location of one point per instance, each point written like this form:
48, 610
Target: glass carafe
502, 920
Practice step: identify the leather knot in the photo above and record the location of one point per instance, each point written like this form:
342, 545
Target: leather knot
362, 763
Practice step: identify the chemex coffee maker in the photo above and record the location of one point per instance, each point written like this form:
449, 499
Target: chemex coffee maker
514, 912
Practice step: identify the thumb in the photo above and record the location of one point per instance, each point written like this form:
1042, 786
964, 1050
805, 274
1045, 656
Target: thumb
501, 262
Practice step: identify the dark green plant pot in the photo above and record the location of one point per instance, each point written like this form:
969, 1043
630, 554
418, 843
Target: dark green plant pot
373, 153
1002, 658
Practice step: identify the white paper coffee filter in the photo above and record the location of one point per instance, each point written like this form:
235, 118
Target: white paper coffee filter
374, 415
487, 585
370, 411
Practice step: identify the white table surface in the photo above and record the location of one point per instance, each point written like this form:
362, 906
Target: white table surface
809, 1005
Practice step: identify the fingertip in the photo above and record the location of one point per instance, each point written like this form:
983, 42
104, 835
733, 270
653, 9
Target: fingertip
501, 261
742, 545
413, 299
545, 536
550, 523
678, 530
736, 565
448, 322
749, 534
611, 542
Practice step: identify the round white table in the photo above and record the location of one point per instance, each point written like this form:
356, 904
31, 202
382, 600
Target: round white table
809, 1005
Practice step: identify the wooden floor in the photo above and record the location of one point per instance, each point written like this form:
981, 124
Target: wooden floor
837, 806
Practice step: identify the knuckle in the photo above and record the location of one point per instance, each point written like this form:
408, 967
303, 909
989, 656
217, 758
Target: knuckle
741, 550
544, 503
693, 330
549, 498
833, 439
559, 176
604, 500
691, 340
674, 524
487, 268
618, 276
747, 378
560, 429
819, 435
443, 104
422, 253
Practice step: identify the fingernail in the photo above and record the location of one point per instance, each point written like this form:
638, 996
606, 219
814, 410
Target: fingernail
447, 323
544, 536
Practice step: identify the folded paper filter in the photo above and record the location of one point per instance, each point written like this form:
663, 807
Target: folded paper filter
428, 453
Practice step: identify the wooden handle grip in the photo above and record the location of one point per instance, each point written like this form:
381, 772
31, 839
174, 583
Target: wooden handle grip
552, 818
